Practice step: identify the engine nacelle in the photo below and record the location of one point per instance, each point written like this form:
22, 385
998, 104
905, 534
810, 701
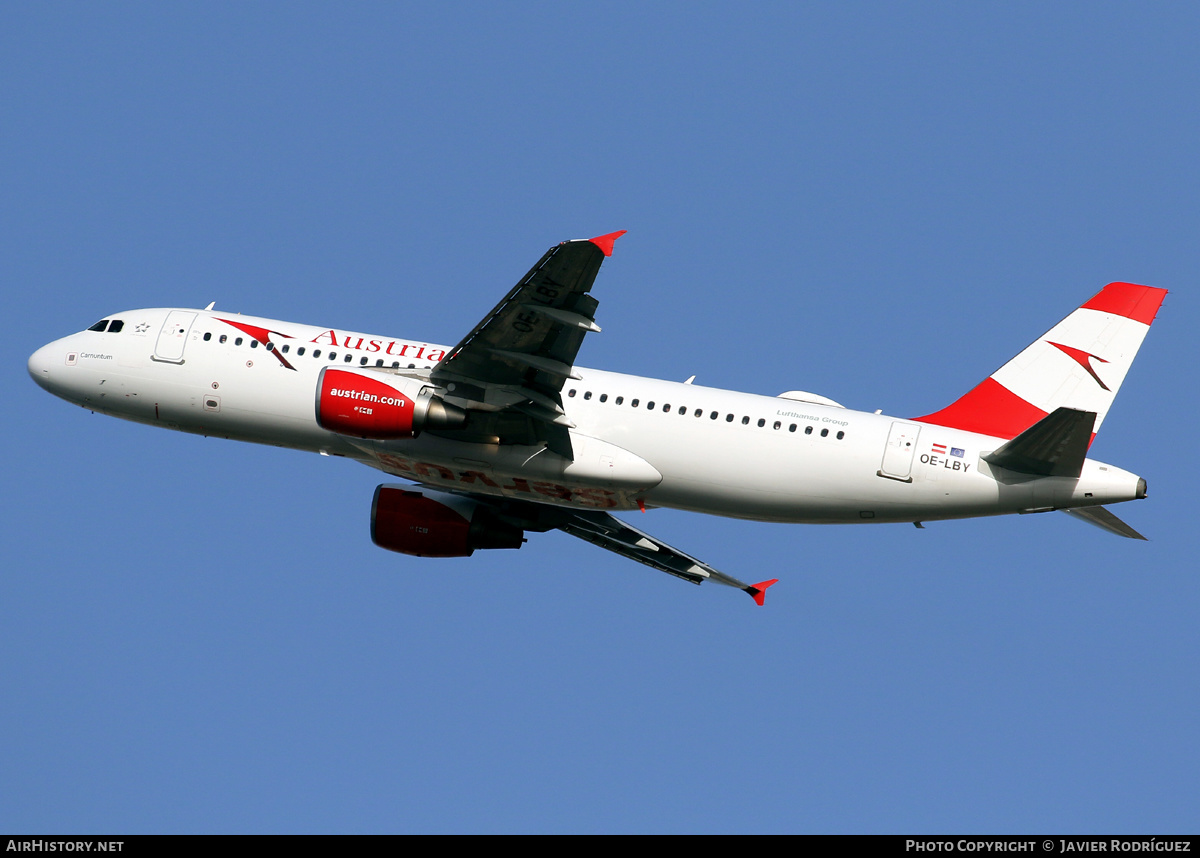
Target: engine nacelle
370, 405
426, 523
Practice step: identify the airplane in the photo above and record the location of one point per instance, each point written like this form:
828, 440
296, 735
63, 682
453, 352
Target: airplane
504, 434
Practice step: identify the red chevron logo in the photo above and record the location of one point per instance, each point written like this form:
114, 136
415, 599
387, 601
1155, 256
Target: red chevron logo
1083, 359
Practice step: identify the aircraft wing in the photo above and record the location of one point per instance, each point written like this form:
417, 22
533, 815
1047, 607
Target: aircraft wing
609, 532
523, 351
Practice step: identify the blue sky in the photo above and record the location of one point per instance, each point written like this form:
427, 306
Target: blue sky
880, 203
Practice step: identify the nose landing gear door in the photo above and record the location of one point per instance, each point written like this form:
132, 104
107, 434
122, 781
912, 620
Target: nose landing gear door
173, 336
898, 454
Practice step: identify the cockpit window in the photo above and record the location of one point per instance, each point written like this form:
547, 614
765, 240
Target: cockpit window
116, 326
99, 326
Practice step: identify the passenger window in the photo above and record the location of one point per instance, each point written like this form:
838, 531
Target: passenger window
728, 418
841, 435
761, 423
207, 336
379, 362
824, 433
633, 404
349, 357
270, 346
619, 400
99, 326
778, 424
285, 348
571, 392
650, 405
238, 341
713, 416
254, 344
412, 366
587, 395
666, 409
363, 362
333, 355
745, 421
807, 430
316, 353
115, 327
792, 428
604, 397
395, 364
299, 351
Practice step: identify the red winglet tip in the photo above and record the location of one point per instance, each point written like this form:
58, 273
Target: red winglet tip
641, 504
759, 590
606, 242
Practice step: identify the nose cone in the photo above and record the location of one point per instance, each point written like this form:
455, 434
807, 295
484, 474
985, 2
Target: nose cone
40, 366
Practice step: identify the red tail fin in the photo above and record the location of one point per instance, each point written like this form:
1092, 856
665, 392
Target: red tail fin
1078, 364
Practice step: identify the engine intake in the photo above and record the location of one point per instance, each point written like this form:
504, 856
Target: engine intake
426, 523
368, 405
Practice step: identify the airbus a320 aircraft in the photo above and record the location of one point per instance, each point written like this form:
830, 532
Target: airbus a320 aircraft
504, 434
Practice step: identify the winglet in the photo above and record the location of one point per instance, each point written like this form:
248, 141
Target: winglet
606, 242
759, 590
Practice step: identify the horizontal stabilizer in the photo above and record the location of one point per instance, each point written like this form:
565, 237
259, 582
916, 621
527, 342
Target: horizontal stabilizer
1101, 517
1055, 446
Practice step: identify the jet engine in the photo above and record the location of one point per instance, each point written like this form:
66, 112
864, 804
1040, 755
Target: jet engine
426, 523
378, 406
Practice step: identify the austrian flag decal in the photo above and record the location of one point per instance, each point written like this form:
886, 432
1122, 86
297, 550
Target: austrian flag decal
941, 450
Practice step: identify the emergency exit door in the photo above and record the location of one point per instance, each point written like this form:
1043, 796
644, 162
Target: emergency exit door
899, 452
173, 336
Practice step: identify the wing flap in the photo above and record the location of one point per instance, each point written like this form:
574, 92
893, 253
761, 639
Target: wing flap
550, 366
577, 320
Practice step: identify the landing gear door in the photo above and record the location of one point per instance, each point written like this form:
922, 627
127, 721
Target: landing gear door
173, 336
898, 454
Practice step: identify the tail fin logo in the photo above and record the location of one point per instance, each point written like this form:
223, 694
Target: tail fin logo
1082, 358
1037, 382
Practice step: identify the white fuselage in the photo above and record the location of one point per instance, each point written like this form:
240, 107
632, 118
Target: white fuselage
637, 441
